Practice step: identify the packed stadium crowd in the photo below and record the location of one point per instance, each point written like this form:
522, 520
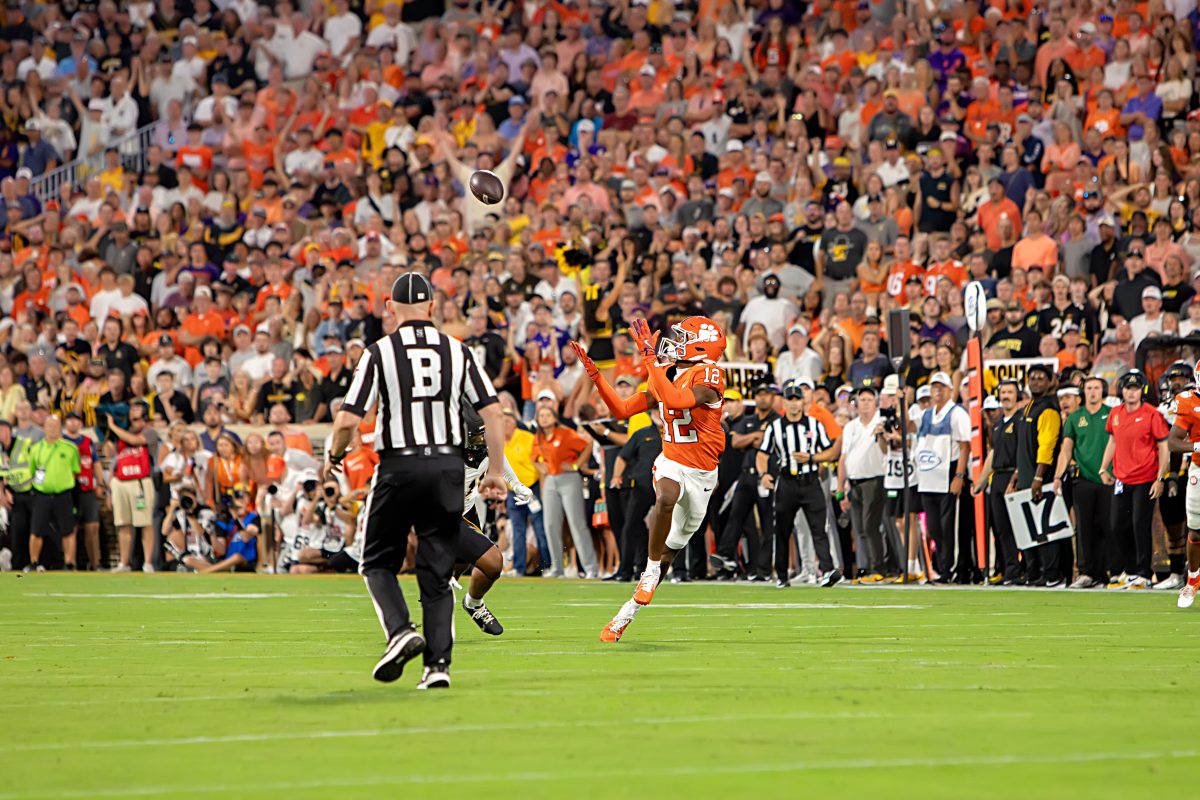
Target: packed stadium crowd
206, 203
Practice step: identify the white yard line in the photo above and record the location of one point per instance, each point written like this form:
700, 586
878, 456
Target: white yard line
244, 789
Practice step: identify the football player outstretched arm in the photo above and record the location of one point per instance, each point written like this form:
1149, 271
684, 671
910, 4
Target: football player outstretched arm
618, 407
670, 395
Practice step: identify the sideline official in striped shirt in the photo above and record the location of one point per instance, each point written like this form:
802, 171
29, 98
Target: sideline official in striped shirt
419, 379
801, 445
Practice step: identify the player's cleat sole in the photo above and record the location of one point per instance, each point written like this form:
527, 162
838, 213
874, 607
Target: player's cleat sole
484, 618
1187, 596
644, 592
436, 676
403, 647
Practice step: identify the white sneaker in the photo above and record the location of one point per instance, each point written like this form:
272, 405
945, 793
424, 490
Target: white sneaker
121, 568
1187, 596
1118, 581
148, 567
1137, 583
1172, 581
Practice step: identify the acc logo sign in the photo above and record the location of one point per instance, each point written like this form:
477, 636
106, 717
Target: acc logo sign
928, 460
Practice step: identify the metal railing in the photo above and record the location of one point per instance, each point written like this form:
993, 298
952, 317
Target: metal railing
132, 148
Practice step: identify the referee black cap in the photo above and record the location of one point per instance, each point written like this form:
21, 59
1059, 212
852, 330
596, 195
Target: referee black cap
411, 288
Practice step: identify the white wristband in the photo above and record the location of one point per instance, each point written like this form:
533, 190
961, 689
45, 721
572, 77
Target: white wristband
1196, 447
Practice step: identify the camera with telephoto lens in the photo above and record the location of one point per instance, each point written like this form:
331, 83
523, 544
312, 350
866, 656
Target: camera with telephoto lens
273, 489
891, 421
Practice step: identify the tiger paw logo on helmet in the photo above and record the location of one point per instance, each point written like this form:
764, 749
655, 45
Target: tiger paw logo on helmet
696, 339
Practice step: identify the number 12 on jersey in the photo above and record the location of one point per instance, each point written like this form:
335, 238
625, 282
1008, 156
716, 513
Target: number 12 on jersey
677, 425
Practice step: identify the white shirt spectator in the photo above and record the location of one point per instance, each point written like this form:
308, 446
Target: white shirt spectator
129, 305
120, 116
341, 30
399, 37
259, 366
190, 72
774, 315
46, 67
863, 457
310, 161
176, 366
59, 134
893, 174
85, 207
300, 53
1142, 327
101, 300
790, 366
203, 115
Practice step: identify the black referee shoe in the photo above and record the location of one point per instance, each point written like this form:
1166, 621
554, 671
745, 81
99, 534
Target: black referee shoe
485, 619
437, 676
403, 647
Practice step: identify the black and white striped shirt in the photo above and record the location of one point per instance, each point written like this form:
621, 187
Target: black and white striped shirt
784, 437
420, 378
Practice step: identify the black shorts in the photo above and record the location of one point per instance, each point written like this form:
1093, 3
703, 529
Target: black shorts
87, 507
422, 492
894, 507
471, 545
53, 515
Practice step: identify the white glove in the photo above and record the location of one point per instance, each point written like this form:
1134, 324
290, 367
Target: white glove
522, 494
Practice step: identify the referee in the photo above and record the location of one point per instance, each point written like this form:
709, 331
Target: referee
800, 445
420, 379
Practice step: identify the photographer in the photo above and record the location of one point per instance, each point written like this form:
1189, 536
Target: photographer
324, 528
197, 539
298, 527
131, 488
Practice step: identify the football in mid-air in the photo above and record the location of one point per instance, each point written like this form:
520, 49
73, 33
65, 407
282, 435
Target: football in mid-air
487, 186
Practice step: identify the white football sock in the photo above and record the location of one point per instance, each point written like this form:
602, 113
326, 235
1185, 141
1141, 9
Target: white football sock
653, 567
627, 612
472, 602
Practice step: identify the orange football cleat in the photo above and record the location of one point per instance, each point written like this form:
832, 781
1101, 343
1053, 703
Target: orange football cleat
613, 630
645, 589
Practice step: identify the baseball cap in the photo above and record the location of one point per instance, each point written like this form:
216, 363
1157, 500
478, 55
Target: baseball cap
792, 390
356, 343
240, 329
764, 177
734, 145
995, 304
940, 377
25, 172
1152, 291
629, 379
546, 394
800, 329
166, 341
767, 386
990, 403
1069, 391
923, 393
806, 382
203, 291
1106, 219
891, 385
411, 288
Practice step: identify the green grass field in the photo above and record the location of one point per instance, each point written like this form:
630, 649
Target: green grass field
174, 686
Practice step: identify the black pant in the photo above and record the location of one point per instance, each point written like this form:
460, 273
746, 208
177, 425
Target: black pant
20, 517
745, 500
955, 549
616, 500
1007, 554
866, 514
425, 493
1133, 515
792, 495
1093, 526
635, 539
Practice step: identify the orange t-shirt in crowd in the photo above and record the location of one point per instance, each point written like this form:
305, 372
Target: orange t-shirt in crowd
28, 301
951, 269
1036, 252
899, 275
283, 291
989, 219
693, 437
298, 440
560, 450
359, 467
201, 325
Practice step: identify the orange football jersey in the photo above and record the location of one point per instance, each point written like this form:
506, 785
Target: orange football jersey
1186, 408
693, 437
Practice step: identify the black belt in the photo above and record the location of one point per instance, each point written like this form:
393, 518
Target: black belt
421, 452
808, 477
860, 481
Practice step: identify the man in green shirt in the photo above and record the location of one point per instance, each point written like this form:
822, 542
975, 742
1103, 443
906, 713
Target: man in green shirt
55, 463
1084, 440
